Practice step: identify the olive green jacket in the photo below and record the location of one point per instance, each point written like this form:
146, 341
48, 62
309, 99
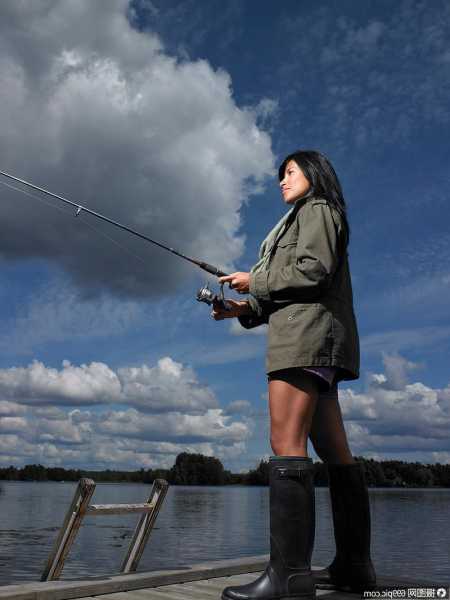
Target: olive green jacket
305, 294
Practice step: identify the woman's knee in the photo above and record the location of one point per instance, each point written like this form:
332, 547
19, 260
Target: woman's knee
291, 411
277, 444
288, 444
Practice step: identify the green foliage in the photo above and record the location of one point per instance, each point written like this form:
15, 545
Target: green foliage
197, 469
260, 476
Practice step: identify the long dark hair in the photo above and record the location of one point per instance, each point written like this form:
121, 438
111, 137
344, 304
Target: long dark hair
323, 179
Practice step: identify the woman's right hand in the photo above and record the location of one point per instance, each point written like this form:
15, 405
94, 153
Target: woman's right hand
235, 309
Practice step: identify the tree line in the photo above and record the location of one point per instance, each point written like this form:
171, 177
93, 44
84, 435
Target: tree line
197, 469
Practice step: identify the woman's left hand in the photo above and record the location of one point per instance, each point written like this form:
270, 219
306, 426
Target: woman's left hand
238, 281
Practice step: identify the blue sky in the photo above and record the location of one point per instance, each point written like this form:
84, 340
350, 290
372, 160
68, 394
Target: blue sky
172, 116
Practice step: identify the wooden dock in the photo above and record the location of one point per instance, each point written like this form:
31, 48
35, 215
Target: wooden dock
198, 582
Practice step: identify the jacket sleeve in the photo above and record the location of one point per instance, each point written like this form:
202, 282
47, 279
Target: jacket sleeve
316, 259
257, 317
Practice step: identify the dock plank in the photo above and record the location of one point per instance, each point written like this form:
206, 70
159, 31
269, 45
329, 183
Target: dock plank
204, 581
152, 594
207, 589
219, 583
188, 592
88, 587
166, 592
157, 593
196, 591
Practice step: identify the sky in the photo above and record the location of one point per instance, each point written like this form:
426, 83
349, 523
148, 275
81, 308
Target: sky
172, 116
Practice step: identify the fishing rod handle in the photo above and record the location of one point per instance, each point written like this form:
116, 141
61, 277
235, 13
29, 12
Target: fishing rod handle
211, 269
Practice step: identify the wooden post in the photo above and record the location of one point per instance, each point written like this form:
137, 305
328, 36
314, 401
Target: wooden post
145, 526
69, 529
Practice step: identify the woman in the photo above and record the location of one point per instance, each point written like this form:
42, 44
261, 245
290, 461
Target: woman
301, 287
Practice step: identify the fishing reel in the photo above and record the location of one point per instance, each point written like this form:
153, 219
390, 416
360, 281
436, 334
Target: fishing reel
205, 294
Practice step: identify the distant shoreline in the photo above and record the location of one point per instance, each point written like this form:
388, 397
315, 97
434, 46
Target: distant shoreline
227, 485
197, 469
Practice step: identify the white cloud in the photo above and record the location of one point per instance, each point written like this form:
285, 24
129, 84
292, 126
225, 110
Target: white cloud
8, 409
441, 457
210, 426
38, 384
397, 368
98, 112
356, 406
125, 439
392, 418
239, 407
12, 424
395, 416
62, 431
153, 414
167, 386
444, 398
267, 112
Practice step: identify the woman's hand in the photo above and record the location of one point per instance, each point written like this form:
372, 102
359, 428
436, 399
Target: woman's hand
236, 309
238, 281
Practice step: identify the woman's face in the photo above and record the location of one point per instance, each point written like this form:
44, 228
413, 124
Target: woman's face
294, 184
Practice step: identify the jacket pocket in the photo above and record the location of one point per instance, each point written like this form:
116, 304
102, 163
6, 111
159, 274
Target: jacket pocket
285, 253
301, 329
286, 243
297, 309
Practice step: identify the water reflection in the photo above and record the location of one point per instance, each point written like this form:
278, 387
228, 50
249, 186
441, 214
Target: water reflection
198, 524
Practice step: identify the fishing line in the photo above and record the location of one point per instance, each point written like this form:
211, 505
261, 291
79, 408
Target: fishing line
113, 241
203, 295
80, 218
17, 189
200, 263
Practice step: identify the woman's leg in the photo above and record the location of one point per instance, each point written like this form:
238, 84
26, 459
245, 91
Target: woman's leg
292, 401
327, 431
352, 566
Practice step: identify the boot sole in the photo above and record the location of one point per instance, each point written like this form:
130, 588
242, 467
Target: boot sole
326, 586
303, 597
346, 588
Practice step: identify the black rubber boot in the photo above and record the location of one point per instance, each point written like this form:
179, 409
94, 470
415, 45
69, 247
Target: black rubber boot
352, 568
292, 525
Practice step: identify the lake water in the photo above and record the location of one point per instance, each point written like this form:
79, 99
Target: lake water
409, 529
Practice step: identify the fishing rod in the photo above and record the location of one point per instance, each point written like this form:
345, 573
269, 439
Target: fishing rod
205, 294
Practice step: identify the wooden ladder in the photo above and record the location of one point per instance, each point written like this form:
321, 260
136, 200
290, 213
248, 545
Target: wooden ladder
80, 507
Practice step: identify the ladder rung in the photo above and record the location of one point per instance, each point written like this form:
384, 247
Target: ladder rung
119, 509
80, 507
